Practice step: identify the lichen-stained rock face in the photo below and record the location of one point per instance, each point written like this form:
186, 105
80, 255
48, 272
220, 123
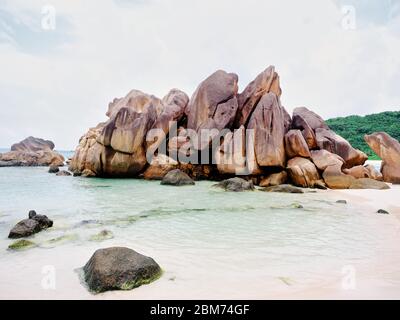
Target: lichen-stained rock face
87, 154
302, 172
287, 119
323, 159
32, 152
174, 105
236, 154
307, 121
296, 145
137, 101
126, 130
302, 115
388, 149
118, 147
266, 81
332, 142
268, 125
214, 103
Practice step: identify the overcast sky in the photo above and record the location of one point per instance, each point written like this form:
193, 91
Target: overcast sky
335, 57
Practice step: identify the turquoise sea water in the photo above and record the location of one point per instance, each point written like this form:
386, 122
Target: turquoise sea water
208, 242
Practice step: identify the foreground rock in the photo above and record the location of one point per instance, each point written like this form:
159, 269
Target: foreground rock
27, 227
177, 178
284, 188
119, 268
31, 152
235, 184
388, 149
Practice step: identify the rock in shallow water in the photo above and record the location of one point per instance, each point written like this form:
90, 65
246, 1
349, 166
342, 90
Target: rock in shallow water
53, 169
235, 184
63, 173
119, 268
28, 227
21, 245
177, 178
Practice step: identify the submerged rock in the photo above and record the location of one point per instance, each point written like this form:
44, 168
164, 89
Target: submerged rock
21, 245
284, 188
28, 227
235, 184
102, 235
63, 173
119, 268
177, 178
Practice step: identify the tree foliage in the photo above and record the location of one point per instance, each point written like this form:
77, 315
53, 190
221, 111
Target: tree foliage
353, 128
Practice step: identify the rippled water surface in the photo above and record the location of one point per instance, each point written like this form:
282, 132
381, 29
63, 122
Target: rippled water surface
208, 242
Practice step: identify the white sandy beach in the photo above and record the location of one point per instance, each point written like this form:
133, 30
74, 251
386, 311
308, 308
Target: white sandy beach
211, 245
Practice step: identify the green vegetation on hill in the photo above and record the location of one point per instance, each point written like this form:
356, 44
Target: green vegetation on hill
353, 128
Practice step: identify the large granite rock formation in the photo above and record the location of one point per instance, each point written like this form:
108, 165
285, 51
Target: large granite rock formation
246, 134
214, 103
31, 152
267, 81
388, 149
268, 124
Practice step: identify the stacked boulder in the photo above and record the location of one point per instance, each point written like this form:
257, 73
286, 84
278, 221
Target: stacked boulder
249, 134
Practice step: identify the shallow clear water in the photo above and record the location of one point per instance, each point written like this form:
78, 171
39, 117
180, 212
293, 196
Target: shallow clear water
208, 242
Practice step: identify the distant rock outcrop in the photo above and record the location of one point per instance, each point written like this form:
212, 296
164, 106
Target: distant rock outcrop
31, 152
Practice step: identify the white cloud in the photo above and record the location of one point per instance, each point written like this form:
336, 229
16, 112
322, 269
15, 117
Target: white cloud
108, 47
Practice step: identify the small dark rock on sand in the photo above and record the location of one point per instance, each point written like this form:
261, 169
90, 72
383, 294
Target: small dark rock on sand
382, 211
